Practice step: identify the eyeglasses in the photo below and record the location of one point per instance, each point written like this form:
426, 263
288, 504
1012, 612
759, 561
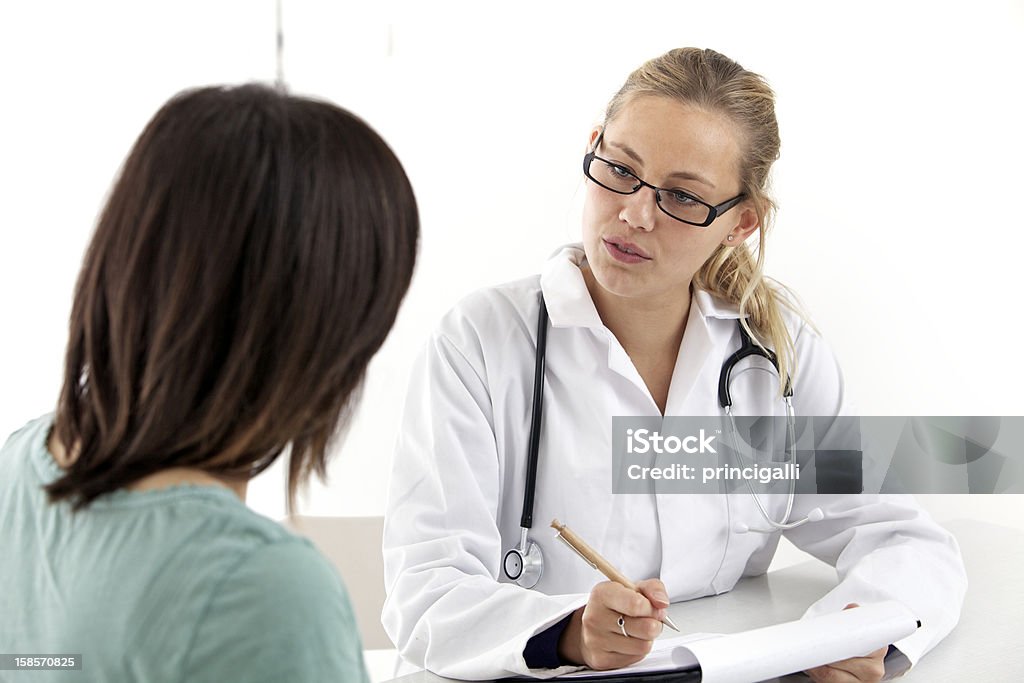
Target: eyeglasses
676, 203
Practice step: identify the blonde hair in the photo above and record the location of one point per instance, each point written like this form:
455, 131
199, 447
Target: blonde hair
715, 83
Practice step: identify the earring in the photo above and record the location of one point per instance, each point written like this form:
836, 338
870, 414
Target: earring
730, 238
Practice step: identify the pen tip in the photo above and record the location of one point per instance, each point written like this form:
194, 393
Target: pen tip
668, 622
556, 524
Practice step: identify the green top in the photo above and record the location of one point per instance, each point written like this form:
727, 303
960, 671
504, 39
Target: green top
178, 584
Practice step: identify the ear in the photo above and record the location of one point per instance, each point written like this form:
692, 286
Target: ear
746, 224
593, 138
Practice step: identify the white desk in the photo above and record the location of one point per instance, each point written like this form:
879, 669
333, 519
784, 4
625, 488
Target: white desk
984, 647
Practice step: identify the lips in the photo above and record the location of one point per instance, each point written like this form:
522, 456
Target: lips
618, 246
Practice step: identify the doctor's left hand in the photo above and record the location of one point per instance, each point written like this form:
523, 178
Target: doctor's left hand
594, 636
867, 669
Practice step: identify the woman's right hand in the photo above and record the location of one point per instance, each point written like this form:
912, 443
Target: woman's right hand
594, 637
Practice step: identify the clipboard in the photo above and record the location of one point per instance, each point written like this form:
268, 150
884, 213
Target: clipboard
674, 675
767, 652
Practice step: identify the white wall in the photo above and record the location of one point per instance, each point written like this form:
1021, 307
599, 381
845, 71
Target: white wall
898, 181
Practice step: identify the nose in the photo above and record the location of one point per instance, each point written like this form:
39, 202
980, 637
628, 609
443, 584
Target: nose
640, 209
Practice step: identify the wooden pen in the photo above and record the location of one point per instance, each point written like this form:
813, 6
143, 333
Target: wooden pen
594, 559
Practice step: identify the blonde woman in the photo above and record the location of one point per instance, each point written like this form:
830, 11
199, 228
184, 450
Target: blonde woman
643, 314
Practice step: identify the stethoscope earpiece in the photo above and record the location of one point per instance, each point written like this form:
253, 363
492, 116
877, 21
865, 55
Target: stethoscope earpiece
815, 515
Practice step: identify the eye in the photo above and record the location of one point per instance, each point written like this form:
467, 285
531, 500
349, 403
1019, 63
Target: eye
620, 171
680, 198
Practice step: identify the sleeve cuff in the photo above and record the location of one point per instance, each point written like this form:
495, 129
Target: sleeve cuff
541, 651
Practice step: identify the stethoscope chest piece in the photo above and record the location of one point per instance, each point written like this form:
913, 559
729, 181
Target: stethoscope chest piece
524, 564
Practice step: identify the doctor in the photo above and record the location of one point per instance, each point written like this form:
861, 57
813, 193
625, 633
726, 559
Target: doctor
642, 316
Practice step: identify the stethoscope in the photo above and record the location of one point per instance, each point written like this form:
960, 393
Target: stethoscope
524, 563
749, 348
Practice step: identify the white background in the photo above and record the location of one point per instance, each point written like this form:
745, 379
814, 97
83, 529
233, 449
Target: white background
899, 182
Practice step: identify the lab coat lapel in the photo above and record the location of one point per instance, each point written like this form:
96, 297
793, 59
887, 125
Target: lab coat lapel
689, 569
620, 362
693, 354
570, 305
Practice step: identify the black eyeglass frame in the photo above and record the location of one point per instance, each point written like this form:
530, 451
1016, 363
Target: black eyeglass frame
713, 211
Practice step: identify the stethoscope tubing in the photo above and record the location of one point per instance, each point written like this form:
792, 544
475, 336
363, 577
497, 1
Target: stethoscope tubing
747, 348
537, 415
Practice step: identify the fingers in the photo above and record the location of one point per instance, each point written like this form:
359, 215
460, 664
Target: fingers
602, 660
869, 669
620, 599
644, 628
603, 645
654, 591
827, 674
642, 620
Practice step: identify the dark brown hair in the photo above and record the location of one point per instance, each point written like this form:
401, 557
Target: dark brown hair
249, 262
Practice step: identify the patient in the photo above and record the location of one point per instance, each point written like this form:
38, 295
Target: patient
249, 262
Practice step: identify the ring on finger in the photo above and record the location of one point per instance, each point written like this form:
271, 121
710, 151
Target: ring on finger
622, 625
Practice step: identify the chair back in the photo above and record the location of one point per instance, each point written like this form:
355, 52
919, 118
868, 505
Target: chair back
353, 545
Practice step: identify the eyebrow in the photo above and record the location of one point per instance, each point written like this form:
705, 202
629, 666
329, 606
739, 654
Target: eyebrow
685, 175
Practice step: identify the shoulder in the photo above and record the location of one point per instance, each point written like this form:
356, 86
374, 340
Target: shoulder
794, 316
509, 311
25, 461
264, 561
818, 375
488, 322
505, 303
30, 433
289, 576
29, 438
280, 613
818, 385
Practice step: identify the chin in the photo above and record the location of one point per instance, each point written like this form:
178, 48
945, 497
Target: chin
616, 280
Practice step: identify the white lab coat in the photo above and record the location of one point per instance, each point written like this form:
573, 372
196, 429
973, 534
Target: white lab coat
456, 489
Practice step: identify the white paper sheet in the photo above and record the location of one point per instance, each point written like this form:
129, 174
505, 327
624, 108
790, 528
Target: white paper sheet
660, 658
780, 649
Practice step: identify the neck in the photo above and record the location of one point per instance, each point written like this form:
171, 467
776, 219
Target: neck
173, 476
646, 328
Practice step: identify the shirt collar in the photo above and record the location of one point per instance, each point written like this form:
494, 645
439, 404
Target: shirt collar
569, 303
565, 292
711, 306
